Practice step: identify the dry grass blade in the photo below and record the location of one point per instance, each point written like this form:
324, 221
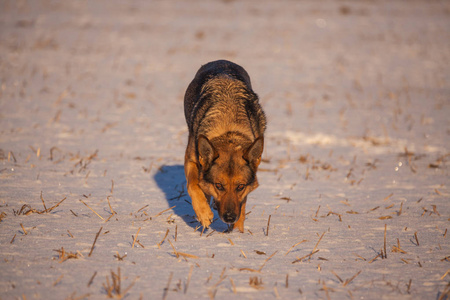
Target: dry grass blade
120, 258
81, 297
339, 278
109, 218
267, 259
400, 210
385, 229
115, 290
317, 244
388, 197
188, 279
373, 259
95, 240
92, 279
166, 289
54, 206
63, 255
134, 240
23, 228
187, 255
174, 250
92, 210
359, 256
446, 273
113, 212
351, 279
409, 286
268, 223
250, 270
233, 286
27, 209
160, 213
256, 282
58, 280
317, 212
435, 210
43, 202
446, 293
243, 253
11, 154
2, 215
375, 208
398, 248
415, 236
221, 278
275, 291
306, 256
142, 208
295, 245
162, 241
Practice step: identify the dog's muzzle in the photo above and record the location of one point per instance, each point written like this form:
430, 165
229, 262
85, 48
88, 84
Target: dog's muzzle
229, 217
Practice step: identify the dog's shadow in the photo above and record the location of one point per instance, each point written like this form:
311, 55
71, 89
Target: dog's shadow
171, 180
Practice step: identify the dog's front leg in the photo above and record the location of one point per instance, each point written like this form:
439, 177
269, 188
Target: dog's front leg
240, 222
200, 202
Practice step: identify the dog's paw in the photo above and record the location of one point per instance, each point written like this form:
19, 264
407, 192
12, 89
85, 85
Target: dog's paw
206, 218
239, 225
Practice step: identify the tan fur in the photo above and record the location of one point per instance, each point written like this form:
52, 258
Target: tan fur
228, 114
226, 129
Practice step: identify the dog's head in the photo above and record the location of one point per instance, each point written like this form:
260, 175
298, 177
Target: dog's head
228, 173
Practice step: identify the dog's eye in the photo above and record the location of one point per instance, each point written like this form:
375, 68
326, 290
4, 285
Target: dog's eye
240, 187
219, 186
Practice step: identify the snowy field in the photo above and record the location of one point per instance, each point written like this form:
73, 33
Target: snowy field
355, 176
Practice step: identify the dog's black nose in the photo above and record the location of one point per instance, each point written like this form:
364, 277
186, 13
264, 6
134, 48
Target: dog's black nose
229, 217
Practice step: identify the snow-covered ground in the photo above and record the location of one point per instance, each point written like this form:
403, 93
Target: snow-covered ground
355, 178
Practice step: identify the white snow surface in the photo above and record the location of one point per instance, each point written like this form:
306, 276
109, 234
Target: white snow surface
358, 146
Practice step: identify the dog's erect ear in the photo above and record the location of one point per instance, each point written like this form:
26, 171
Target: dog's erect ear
253, 153
206, 151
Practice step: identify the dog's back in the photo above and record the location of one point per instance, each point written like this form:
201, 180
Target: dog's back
220, 99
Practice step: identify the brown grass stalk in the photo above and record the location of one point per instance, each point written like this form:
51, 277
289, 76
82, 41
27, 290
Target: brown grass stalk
162, 241
92, 210
166, 289
188, 279
351, 279
306, 256
385, 229
43, 202
160, 213
293, 246
134, 241
268, 223
92, 279
95, 240
23, 228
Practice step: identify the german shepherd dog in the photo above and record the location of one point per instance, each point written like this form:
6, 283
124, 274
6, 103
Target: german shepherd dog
226, 139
